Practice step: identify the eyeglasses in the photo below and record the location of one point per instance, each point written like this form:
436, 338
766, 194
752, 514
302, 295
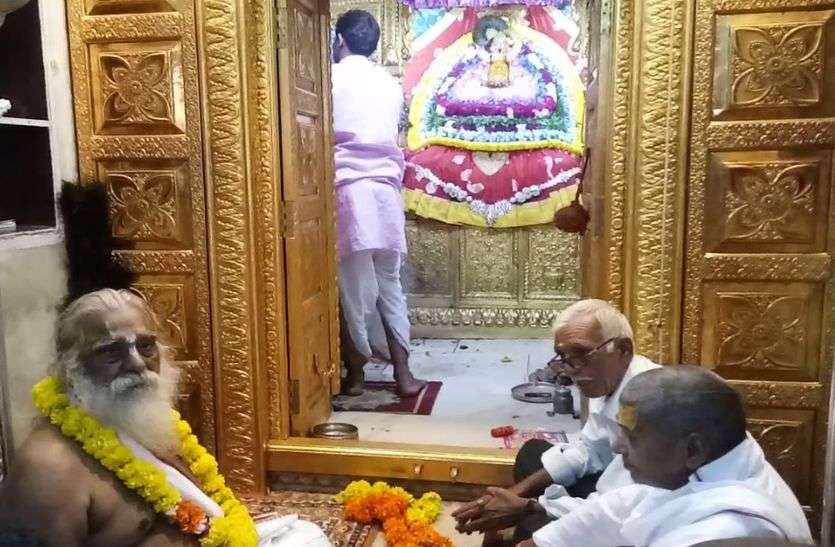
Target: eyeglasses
575, 363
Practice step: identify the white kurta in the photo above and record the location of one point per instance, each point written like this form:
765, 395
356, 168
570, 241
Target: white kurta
737, 495
367, 100
592, 452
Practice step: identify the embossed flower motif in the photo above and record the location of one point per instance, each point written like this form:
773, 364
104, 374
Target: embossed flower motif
761, 332
165, 301
135, 87
783, 65
768, 207
141, 205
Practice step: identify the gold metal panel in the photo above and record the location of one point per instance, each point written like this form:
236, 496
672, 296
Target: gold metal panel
150, 202
137, 89
146, 26
489, 267
800, 267
786, 437
758, 269
238, 132
768, 64
138, 122
762, 330
401, 461
552, 267
172, 299
103, 7
432, 263
768, 201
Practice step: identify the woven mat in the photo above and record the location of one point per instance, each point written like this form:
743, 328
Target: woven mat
383, 397
321, 509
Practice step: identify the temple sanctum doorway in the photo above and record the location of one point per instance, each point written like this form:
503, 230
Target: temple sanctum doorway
486, 270
708, 185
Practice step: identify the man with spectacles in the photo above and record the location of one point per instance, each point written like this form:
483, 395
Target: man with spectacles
594, 348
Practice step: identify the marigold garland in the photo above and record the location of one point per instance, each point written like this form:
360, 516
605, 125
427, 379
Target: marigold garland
234, 529
407, 521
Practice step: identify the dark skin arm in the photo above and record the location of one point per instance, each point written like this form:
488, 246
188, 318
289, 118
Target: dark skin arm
498, 510
473, 516
527, 543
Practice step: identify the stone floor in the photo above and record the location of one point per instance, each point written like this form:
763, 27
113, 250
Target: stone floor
477, 377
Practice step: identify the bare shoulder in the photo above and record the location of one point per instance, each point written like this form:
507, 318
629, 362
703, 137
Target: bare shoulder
49, 451
46, 460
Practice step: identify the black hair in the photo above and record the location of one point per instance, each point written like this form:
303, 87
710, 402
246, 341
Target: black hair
684, 399
359, 30
88, 240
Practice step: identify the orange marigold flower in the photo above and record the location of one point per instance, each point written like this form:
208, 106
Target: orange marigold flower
387, 506
190, 518
359, 510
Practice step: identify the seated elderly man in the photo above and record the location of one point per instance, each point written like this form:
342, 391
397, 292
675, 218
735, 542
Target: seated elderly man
594, 348
113, 465
700, 477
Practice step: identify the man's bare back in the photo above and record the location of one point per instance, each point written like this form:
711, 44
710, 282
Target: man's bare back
60, 496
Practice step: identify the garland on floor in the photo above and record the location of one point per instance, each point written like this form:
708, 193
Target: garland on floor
407, 521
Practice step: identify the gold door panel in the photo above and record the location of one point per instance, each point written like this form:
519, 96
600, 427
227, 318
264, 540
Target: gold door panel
135, 84
759, 226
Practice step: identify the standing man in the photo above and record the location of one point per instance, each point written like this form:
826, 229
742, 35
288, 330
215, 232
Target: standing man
594, 347
367, 104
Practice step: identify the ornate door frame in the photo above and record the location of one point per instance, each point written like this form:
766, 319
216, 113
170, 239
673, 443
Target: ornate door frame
634, 254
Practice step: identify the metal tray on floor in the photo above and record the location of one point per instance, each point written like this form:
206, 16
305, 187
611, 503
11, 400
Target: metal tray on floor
534, 392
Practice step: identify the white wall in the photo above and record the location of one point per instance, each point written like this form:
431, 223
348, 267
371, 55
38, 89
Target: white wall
32, 284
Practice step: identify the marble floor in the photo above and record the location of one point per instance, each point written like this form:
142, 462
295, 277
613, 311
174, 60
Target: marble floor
477, 377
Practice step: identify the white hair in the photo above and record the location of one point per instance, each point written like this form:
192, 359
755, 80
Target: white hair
613, 324
74, 323
138, 405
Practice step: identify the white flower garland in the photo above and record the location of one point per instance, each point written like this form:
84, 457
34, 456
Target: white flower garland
491, 212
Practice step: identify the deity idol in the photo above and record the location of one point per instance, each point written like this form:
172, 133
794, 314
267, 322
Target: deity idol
495, 119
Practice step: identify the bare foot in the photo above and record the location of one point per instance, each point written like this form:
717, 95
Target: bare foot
408, 385
354, 383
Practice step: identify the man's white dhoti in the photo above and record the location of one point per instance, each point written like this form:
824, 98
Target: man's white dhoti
371, 294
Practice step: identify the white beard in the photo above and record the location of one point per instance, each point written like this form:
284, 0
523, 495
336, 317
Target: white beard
143, 413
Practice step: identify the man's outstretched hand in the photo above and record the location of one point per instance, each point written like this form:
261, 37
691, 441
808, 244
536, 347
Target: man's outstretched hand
496, 510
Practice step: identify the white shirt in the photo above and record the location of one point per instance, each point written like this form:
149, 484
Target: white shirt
592, 452
367, 101
737, 495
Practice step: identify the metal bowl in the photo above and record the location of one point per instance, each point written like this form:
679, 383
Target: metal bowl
336, 431
534, 392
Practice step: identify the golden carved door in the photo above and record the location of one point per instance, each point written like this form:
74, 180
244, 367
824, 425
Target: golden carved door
307, 194
758, 296
137, 114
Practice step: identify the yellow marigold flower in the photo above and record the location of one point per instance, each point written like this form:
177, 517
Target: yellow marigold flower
354, 489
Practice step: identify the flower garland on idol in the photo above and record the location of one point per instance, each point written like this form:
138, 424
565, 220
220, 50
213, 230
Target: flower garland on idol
550, 117
407, 521
234, 529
